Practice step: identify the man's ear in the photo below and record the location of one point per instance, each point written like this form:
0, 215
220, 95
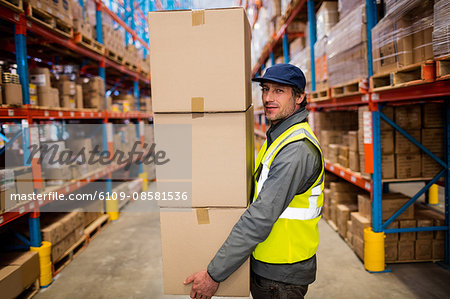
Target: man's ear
300, 99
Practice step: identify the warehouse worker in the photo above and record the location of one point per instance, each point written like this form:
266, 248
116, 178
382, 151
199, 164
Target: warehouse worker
279, 230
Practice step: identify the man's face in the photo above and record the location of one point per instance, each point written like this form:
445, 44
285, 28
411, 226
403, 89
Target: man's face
278, 101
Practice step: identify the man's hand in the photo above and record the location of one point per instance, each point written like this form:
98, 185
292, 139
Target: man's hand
203, 287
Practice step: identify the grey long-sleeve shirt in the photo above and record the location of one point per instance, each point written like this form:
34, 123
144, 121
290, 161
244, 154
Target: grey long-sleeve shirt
295, 168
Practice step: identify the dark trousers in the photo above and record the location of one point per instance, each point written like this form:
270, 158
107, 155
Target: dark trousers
263, 288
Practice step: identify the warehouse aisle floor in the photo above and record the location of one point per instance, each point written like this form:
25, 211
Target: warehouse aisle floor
124, 261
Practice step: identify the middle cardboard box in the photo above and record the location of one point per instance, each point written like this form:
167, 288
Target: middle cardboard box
211, 154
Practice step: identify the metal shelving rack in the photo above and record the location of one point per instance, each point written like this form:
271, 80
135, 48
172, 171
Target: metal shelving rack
375, 101
28, 114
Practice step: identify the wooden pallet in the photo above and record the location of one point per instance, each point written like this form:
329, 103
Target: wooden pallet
70, 254
414, 261
40, 16
63, 28
414, 74
29, 292
443, 68
131, 66
95, 227
113, 56
347, 89
88, 43
320, 95
16, 5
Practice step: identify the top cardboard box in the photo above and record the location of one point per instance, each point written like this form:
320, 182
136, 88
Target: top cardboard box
200, 60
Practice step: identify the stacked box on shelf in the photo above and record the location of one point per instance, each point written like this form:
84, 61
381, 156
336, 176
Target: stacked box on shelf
432, 138
303, 60
46, 94
342, 193
387, 143
124, 103
18, 271
404, 36
407, 155
113, 38
80, 24
326, 17
67, 92
346, 6
331, 127
347, 61
94, 93
145, 65
10, 89
130, 55
62, 230
7, 188
441, 33
220, 117
90, 12
403, 246
33, 94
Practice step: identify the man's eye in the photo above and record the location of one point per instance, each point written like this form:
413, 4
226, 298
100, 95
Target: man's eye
264, 89
280, 90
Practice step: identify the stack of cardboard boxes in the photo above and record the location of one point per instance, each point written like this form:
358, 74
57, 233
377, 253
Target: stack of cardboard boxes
401, 246
441, 34
80, 25
62, 230
67, 92
7, 188
404, 36
94, 93
46, 94
347, 61
113, 38
10, 90
332, 128
18, 272
326, 17
349, 210
400, 158
407, 155
432, 138
130, 56
213, 109
60, 9
386, 142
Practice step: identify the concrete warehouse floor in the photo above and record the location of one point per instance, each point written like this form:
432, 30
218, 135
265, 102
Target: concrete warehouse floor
124, 261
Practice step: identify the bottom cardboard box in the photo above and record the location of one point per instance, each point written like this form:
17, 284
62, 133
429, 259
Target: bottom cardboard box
438, 249
390, 251
406, 250
10, 281
190, 238
424, 249
358, 246
28, 262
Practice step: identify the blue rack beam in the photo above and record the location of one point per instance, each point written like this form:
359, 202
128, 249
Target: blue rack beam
312, 41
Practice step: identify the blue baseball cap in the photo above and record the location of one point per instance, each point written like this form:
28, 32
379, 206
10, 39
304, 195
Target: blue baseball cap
284, 73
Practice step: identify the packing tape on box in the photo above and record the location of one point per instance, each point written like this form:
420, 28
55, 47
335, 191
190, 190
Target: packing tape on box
198, 17
202, 216
197, 104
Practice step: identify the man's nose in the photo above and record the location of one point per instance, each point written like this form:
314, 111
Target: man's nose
269, 96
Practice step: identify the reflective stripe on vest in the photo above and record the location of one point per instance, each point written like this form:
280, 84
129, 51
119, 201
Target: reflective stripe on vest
294, 236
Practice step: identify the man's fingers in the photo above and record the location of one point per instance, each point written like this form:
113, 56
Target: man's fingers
193, 294
189, 279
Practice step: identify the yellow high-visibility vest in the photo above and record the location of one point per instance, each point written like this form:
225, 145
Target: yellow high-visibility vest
295, 235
